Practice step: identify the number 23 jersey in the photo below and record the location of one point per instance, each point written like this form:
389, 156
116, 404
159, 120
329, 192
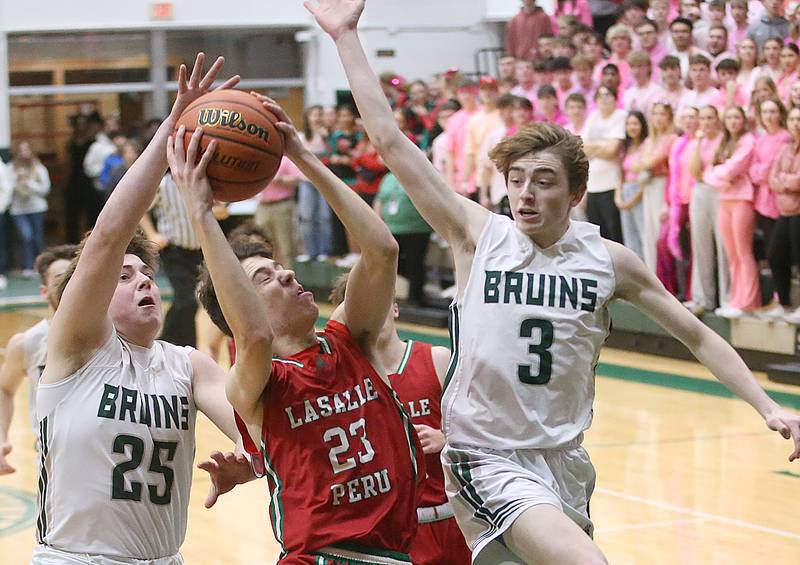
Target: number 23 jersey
117, 450
342, 459
526, 335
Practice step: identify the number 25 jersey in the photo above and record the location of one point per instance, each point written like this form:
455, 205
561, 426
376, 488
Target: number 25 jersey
526, 336
342, 459
117, 450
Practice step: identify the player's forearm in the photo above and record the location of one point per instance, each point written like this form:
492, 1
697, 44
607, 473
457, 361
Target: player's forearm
363, 224
608, 149
238, 300
6, 414
726, 365
244, 393
374, 108
135, 192
431, 196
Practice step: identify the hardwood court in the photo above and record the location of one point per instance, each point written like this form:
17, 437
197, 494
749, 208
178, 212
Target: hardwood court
686, 475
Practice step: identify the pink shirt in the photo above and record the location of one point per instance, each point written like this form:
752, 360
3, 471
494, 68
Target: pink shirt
529, 93
656, 54
558, 118
731, 178
720, 99
697, 99
642, 98
523, 31
784, 180
673, 97
736, 36
628, 174
457, 137
784, 84
278, 191
680, 183
686, 180
624, 71
657, 150
768, 146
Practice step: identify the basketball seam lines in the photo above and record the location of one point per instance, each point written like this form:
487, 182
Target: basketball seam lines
213, 135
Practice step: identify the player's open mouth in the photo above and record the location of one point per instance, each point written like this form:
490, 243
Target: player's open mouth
302, 292
147, 301
527, 214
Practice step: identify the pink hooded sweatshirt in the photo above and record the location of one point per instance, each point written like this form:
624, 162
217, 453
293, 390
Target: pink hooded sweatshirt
678, 191
768, 146
731, 178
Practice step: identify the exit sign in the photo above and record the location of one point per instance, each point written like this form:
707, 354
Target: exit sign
161, 11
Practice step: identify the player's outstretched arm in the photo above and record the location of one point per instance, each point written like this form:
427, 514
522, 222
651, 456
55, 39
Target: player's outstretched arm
370, 290
240, 304
82, 324
640, 287
12, 373
457, 219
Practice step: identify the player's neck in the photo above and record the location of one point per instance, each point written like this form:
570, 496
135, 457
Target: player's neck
546, 238
286, 345
390, 349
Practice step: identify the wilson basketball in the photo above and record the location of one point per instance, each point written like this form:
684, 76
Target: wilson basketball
249, 147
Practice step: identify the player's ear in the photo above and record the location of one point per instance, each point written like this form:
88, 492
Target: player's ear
43, 291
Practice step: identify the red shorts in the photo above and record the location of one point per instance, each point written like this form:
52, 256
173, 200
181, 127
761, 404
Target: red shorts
440, 543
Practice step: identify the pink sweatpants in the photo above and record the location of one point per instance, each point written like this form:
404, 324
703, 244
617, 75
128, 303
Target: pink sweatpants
737, 220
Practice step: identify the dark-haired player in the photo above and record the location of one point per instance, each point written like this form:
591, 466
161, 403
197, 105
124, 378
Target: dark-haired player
116, 408
527, 326
26, 351
341, 458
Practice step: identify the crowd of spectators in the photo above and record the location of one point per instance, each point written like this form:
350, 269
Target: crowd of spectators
689, 113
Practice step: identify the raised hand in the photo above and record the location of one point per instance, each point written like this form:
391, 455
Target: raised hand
197, 84
189, 173
336, 17
226, 471
292, 144
788, 425
5, 467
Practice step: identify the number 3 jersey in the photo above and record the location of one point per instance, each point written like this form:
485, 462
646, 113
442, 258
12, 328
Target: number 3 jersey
342, 459
526, 338
117, 450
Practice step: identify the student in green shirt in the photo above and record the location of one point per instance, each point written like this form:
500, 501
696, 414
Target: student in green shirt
411, 232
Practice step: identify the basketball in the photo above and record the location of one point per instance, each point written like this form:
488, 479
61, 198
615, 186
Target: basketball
249, 147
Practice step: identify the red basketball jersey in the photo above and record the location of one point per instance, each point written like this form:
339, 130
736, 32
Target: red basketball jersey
342, 459
419, 390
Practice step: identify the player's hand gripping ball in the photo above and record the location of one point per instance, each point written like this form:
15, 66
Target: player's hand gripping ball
249, 147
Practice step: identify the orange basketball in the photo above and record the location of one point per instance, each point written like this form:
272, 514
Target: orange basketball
249, 146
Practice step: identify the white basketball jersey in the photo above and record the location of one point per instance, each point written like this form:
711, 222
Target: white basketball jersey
34, 346
117, 450
526, 337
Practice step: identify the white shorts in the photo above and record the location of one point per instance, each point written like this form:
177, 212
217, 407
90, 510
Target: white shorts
46, 555
489, 489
